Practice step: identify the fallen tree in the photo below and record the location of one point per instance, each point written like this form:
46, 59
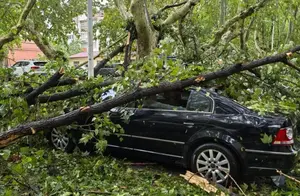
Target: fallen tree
31, 128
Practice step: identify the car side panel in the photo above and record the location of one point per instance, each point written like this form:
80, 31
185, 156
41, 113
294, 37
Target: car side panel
159, 131
119, 141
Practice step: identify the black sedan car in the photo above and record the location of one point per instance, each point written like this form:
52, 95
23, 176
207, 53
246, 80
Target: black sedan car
203, 131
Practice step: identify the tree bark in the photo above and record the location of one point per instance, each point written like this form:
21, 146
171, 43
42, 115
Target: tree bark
146, 34
31, 128
179, 13
223, 11
31, 97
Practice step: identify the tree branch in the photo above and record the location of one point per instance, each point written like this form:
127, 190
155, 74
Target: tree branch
31, 97
292, 65
44, 45
244, 14
168, 7
179, 13
54, 80
71, 93
31, 128
123, 10
103, 51
64, 82
102, 63
20, 25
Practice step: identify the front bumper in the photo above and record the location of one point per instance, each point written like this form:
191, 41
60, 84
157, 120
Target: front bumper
265, 163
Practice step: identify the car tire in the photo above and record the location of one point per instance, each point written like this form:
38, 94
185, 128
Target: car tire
61, 140
215, 163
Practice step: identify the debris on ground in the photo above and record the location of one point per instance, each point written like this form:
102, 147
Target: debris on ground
202, 183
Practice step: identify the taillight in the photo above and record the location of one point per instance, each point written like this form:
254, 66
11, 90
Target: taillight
284, 137
34, 67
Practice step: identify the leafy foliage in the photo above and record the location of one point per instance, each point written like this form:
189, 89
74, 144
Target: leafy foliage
41, 171
33, 171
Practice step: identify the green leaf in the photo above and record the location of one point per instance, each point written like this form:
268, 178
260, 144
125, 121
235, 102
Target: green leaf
266, 139
24, 150
18, 168
5, 154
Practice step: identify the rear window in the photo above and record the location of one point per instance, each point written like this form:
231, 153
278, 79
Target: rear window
39, 63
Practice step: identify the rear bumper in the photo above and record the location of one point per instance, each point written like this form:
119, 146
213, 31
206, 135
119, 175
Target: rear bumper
265, 163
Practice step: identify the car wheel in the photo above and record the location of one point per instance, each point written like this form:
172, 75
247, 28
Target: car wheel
215, 163
61, 140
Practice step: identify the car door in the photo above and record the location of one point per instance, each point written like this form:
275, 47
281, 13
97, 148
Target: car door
121, 141
159, 128
26, 67
200, 117
163, 128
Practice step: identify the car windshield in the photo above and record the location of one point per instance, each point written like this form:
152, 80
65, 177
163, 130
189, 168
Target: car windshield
16, 64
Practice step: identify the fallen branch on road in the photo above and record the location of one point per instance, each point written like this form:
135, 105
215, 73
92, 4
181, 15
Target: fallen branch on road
287, 176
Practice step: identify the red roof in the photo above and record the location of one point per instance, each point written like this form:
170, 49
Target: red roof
83, 55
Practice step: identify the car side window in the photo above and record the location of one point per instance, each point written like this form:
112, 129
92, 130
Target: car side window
25, 63
224, 109
39, 63
174, 100
199, 102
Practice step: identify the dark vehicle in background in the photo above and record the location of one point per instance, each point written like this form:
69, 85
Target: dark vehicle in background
203, 131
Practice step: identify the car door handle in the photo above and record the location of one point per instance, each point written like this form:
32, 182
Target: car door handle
188, 123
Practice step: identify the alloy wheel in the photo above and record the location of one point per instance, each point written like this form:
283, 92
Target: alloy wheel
59, 139
213, 165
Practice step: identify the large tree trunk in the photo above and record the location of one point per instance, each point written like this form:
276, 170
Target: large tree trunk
146, 34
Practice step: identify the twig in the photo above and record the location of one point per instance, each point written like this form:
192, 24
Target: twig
100, 192
26, 185
103, 51
287, 176
139, 164
170, 6
236, 184
292, 65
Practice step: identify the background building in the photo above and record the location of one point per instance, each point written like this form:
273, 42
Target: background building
82, 57
27, 51
82, 27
